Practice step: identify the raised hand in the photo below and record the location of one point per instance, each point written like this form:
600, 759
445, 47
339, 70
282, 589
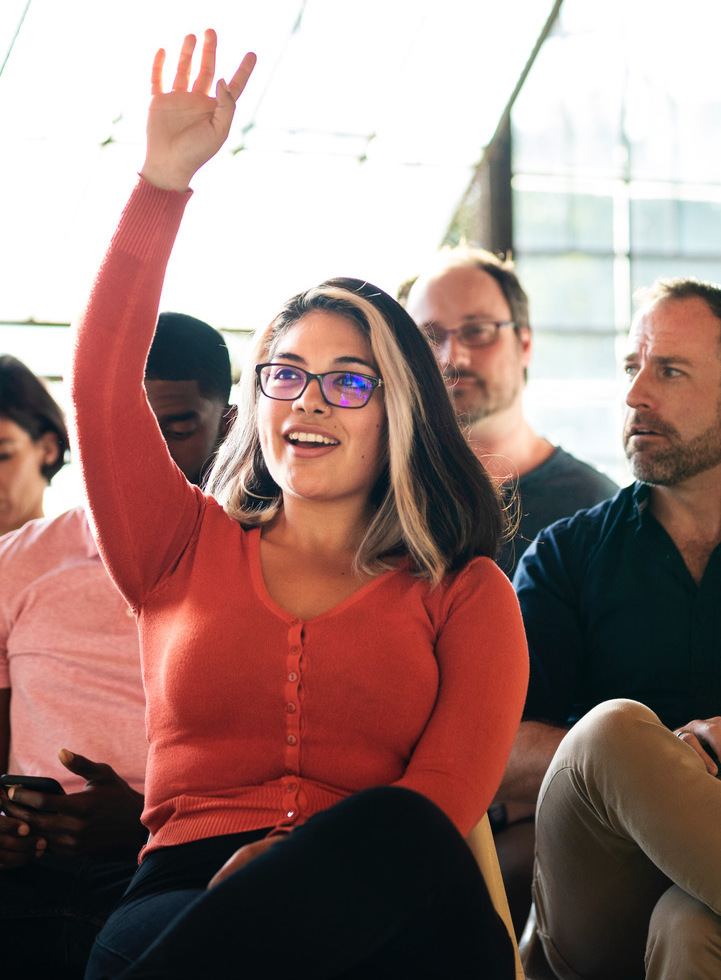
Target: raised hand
187, 127
106, 813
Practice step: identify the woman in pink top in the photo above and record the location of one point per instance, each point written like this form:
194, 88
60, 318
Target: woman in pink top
334, 666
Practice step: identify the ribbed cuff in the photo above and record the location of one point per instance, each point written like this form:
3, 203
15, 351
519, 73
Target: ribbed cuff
150, 221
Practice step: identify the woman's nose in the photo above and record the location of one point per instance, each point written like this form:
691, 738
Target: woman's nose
311, 400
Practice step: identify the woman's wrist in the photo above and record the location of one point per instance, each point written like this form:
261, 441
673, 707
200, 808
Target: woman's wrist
165, 178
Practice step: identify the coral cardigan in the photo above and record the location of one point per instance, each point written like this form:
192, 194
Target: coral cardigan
256, 718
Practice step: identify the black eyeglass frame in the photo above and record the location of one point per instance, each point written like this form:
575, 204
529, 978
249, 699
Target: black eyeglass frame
375, 383
435, 342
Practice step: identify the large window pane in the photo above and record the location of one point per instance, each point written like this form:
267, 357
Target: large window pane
562, 221
676, 227
568, 291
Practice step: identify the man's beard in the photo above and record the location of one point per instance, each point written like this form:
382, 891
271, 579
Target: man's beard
479, 402
678, 460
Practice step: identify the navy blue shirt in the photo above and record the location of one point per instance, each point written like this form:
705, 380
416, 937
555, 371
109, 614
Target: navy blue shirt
611, 610
556, 488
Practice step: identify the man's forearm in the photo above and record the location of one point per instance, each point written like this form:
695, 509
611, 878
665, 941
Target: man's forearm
534, 747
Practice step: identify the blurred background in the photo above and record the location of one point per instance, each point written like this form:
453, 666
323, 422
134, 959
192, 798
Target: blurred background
583, 137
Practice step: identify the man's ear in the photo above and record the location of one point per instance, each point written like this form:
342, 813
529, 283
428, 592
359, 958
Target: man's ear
524, 339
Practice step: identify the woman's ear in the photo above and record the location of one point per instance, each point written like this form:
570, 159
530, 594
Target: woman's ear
49, 446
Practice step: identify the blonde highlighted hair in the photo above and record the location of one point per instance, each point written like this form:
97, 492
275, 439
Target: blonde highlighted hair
433, 501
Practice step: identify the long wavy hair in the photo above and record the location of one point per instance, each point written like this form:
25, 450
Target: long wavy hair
433, 500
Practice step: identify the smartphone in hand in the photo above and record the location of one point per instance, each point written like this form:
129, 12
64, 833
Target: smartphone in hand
39, 784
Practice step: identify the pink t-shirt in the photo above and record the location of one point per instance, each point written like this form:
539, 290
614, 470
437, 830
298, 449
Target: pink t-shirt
69, 652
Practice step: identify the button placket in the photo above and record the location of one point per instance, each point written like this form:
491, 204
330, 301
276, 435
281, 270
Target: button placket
292, 718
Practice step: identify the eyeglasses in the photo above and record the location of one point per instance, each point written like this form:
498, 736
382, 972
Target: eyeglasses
343, 389
479, 333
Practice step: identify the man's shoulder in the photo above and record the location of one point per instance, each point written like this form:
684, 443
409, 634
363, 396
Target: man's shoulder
559, 487
561, 467
588, 531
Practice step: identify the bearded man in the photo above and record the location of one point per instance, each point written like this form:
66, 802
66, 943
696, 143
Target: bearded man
623, 602
474, 311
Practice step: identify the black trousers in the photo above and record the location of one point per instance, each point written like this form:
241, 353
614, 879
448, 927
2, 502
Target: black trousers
52, 910
380, 885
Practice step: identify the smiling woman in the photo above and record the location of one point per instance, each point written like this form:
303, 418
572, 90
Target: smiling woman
344, 546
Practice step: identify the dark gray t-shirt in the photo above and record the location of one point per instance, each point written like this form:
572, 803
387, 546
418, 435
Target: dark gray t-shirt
557, 488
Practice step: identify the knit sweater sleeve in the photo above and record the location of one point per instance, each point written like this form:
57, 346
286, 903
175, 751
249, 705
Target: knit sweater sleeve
142, 508
482, 661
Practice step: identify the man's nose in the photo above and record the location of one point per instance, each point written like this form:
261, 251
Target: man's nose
453, 352
639, 392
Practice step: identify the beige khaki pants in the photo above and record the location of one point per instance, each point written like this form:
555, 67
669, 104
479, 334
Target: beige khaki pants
627, 881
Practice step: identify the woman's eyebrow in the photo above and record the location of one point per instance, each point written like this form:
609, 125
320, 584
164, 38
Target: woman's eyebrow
344, 359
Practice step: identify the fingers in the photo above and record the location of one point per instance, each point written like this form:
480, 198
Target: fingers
185, 61
156, 74
240, 79
699, 746
30, 799
207, 68
207, 64
17, 845
20, 853
95, 772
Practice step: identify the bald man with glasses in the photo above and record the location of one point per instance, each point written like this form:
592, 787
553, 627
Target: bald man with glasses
475, 313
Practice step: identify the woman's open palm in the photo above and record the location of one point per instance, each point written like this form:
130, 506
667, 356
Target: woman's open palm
187, 126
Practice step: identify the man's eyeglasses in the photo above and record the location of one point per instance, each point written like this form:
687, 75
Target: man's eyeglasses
344, 389
479, 333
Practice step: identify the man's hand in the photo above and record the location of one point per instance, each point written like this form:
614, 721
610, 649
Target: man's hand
702, 735
18, 846
106, 813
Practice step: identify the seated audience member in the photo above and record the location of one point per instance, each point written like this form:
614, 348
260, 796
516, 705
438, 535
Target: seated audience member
474, 310
623, 602
70, 676
334, 666
33, 443
187, 383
